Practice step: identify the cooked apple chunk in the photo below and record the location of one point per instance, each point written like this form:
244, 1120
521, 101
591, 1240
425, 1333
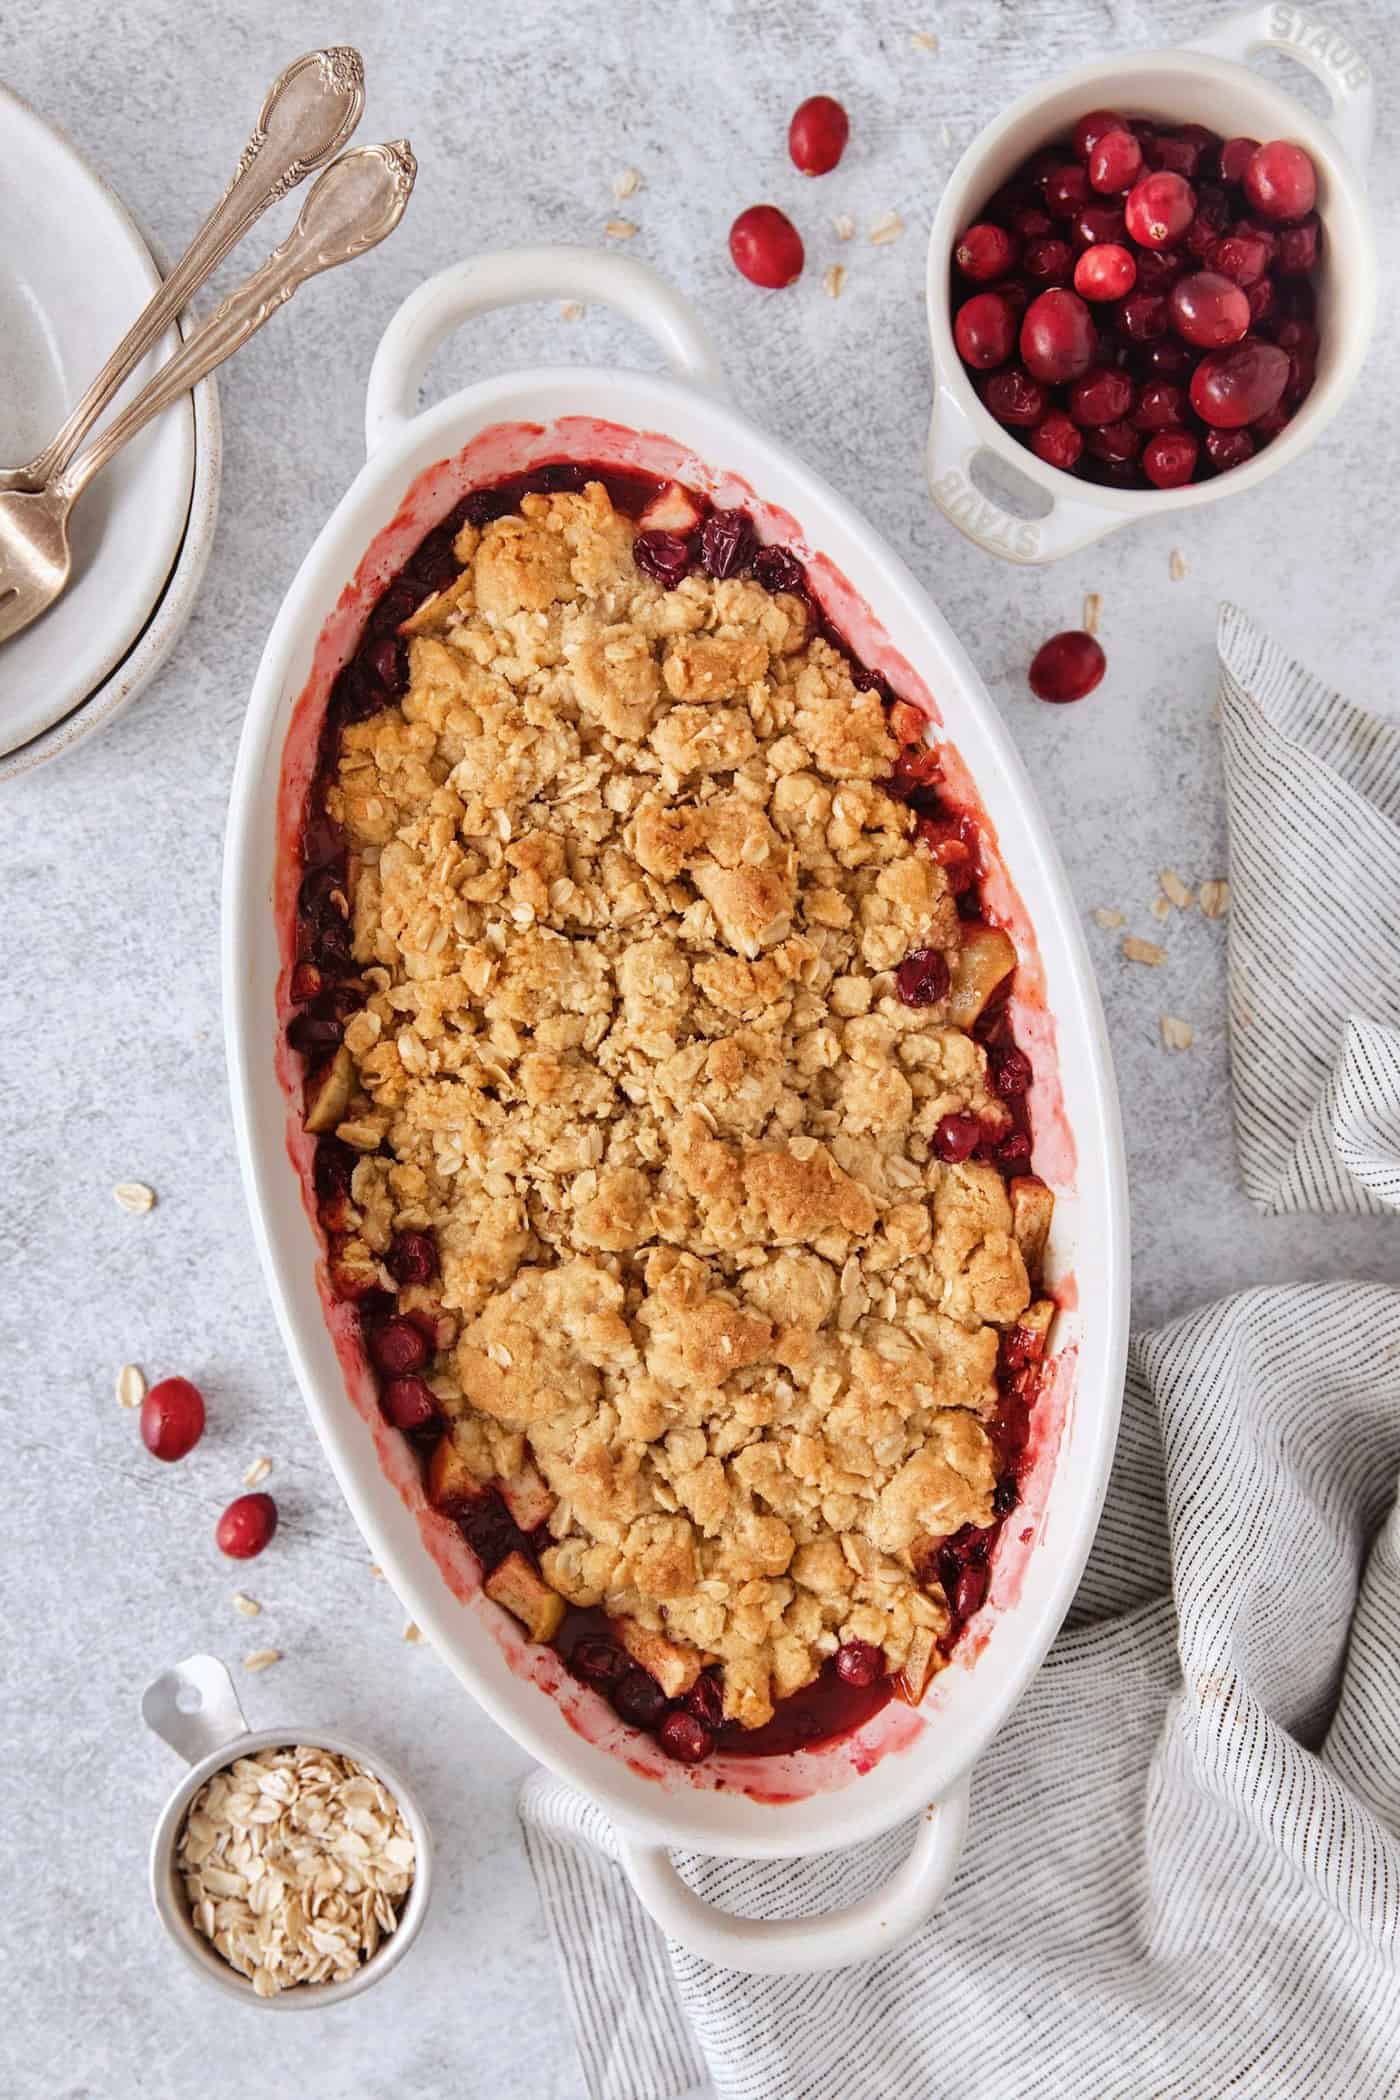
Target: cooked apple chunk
1032, 1329
516, 1585
328, 1092
1032, 1208
452, 1485
527, 1497
985, 959
920, 1666
674, 1667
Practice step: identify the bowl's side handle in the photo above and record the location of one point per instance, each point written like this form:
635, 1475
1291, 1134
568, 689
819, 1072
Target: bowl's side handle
1327, 54
511, 278
953, 444
876, 1925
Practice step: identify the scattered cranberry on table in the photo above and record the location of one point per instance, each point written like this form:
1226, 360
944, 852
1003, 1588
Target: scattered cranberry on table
172, 1418
766, 247
1066, 667
246, 1526
1136, 294
817, 135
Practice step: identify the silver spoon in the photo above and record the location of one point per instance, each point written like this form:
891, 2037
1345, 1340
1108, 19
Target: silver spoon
309, 112
357, 202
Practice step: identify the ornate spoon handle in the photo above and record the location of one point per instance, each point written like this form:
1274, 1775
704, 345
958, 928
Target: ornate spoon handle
357, 202
310, 111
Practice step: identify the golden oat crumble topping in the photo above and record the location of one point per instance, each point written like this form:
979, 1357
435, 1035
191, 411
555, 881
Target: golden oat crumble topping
628, 898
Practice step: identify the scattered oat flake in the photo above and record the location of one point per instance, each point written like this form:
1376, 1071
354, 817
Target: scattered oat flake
1107, 916
257, 1472
1215, 898
131, 1386
1140, 951
412, 1634
619, 229
249, 1606
1093, 606
888, 227
571, 310
1177, 1035
377, 1571
1160, 908
135, 1196
834, 279
844, 226
1176, 566
626, 183
1175, 888
923, 40
262, 1658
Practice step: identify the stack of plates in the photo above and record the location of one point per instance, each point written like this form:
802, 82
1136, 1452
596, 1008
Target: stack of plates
74, 274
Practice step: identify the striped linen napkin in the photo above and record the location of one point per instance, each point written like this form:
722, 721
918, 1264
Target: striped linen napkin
1183, 1869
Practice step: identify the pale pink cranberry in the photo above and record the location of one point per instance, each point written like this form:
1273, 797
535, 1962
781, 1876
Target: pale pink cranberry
1105, 271
957, 1138
410, 1404
1015, 398
817, 135
1048, 261
1209, 310
172, 1418
1057, 441
1230, 388
1091, 128
1103, 395
1161, 405
1057, 337
1235, 156
1066, 667
922, 977
1280, 181
1115, 163
984, 331
1228, 448
1169, 458
685, 1738
399, 1349
985, 252
1159, 209
766, 247
246, 1526
860, 1663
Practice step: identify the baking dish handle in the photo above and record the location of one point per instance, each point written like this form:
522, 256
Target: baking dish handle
1327, 54
512, 278
836, 1939
953, 444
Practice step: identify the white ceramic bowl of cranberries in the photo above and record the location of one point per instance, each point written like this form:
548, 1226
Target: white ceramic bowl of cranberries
905, 1763
1316, 266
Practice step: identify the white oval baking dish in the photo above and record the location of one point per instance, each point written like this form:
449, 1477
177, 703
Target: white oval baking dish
1207, 81
903, 1764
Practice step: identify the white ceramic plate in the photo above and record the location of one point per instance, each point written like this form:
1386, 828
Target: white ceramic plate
74, 274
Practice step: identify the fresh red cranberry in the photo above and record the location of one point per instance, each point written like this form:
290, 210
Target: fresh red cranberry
1048, 262
1161, 405
1115, 163
638, 1698
1017, 294
1011, 1073
1208, 310
957, 1137
778, 569
1116, 442
1101, 396
1235, 156
1230, 388
1177, 153
1159, 209
1258, 230
685, 1738
1263, 300
766, 247
1066, 667
1297, 299
1105, 271
1031, 222
172, 1418
860, 1663
1091, 128
1299, 340
817, 136
1057, 441
246, 1526
985, 252
1266, 428
922, 977
706, 1701
1099, 225
1169, 458
984, 330
1166, 359
664, 556
399, 1348
1144, 315
1015, 398
1159, 268
598, 1662
1228, 448
727, 542
1240, 257
1057, 337
1299, 247
1065, 189
1280, 181
413, 1258
410, 1404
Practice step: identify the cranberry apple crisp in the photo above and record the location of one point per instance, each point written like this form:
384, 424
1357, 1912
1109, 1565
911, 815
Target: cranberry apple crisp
672, 1138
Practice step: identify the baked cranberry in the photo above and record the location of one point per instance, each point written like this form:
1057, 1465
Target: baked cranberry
1057, 337
1116, 442
1280, 181
399, 1348
922, 977
1048, 261
664, 556
1228, 448
1169, 458
706, 1701
1013, 1151
1144, 315
1057, 441
409, 1404
860, 1663
599, 1662
1115, 163
1230, 388
778, 569
957, 1137
1235, 156
246, 1526
388, 659
970, 1590
985, 252
1159, 209
984, 330
1299, 247
1014, 397
1166, 359
1208, 309
1105, 271
413, 1258
313, 1035
1091, 128
1239, 256
1011, 1073
766, 247
1065, 188
684, 1738
172, 1418
727, 542
1161, 405
1066, 667
306, 984
1101, 396
817, 135
946, 839
332, 1169
638, 1698
1099, 225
